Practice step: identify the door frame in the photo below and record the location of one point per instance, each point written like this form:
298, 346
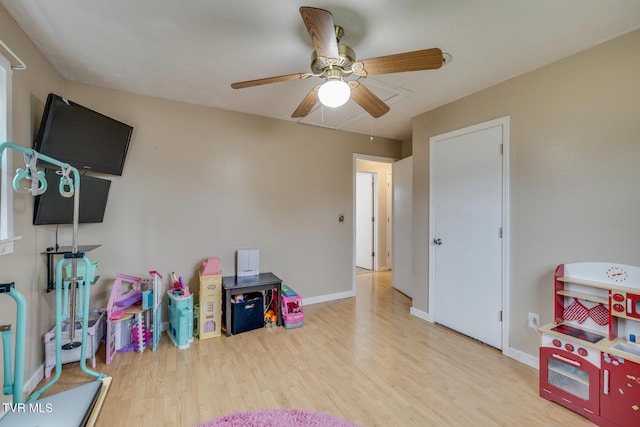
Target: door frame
354, 168
506, 284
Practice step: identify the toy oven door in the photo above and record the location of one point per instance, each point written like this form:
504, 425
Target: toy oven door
569, 380
633, 305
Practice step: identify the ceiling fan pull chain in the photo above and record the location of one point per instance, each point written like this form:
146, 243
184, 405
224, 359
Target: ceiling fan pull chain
371, 131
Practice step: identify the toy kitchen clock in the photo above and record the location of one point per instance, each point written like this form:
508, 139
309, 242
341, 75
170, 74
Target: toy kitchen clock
589, 357
617, 273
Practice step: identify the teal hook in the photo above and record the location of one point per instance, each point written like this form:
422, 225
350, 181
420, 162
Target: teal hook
34, 189
66, 187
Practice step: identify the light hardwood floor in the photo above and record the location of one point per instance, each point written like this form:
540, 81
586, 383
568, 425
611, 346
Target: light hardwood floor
364, 359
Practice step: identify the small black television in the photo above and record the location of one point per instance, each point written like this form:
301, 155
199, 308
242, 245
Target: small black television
81, 137
51, 208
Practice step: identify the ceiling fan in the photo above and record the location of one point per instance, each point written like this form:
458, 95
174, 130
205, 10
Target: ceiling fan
333, 62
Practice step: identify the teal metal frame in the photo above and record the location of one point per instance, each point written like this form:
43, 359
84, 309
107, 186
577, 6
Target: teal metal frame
66, 188
14, 382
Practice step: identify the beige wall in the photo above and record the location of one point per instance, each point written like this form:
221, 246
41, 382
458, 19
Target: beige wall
574, 171
407, 148
25, 267
201, 182
198, 182
384, 191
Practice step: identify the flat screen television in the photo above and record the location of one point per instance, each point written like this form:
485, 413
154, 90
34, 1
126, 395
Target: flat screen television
86, 139
51, 208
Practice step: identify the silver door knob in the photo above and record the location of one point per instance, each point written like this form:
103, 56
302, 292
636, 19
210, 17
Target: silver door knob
437, 242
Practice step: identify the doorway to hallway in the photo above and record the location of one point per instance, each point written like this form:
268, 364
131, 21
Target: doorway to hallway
372, 207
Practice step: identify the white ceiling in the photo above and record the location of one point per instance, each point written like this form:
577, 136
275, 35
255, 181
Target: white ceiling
192, 50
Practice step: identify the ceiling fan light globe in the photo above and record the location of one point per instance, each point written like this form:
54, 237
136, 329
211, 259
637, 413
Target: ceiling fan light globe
334, 93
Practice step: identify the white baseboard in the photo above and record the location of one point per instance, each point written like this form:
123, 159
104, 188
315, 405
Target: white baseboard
34, 380
421, 314
327, 298
522, 357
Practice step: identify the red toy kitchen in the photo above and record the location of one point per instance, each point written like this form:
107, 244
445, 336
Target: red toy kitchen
589, 357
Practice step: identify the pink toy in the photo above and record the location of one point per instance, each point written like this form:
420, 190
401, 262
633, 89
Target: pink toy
211, 267
133, 314
292, 310
178, 289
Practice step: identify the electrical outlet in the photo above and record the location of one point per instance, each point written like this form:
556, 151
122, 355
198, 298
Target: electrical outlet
533, 320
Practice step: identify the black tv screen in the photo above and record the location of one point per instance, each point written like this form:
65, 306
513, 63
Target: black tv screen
51, 208
84, 138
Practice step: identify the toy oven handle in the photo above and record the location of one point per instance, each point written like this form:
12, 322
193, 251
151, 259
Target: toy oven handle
566, 360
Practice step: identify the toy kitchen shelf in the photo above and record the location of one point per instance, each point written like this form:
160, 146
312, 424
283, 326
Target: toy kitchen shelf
62, 250
589, 360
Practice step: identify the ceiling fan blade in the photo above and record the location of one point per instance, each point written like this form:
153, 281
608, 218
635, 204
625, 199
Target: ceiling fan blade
307, 103
367, 99
319, 23
258, 82
426, 59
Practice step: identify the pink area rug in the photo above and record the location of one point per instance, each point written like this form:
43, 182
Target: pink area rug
278, 418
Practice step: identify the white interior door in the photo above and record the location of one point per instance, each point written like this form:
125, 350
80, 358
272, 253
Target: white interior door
364, 220
467, 209
389, 221
402, 226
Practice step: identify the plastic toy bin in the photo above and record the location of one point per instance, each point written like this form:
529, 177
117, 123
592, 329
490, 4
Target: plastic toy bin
95, 333
180, 313
247, 315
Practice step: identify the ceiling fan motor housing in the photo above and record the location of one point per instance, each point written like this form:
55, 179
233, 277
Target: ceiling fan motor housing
344, 62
